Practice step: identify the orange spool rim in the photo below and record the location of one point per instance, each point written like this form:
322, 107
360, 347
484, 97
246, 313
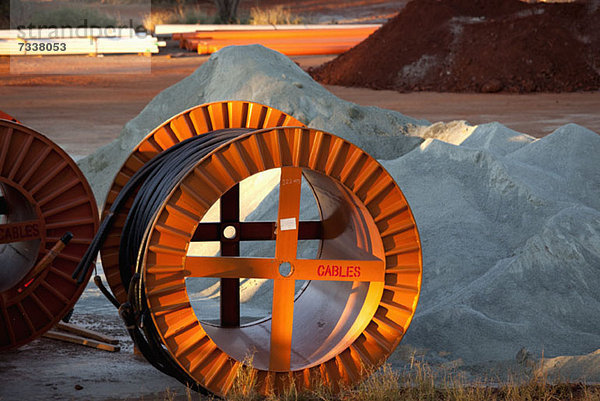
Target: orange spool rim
392, 302
197, 120
45, 175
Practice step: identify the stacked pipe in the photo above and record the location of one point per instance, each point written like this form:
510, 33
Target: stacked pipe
291, 42
359, 293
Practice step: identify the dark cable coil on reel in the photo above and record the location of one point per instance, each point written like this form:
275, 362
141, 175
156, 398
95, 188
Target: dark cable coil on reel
150, 186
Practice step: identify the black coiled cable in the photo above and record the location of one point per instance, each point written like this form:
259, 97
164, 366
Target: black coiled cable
150, 185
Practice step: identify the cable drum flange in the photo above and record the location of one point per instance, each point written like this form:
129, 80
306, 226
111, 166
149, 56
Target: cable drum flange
44, 201
364, 285
360, 291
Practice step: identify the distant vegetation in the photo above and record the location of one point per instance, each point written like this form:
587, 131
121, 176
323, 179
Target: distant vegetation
191, 15
23, 13
180, 12
4, 14
273, 16
72, 16
76, 12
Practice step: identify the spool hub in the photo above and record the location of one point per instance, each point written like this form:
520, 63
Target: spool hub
43, 195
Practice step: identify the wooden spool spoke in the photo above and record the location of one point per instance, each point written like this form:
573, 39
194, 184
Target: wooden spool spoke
286, 246
282, 321
289, 210
230, 287
287, 228
230, 267
256, 231
301, 269
339, 270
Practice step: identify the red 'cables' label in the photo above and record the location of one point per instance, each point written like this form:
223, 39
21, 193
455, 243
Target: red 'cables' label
338, 271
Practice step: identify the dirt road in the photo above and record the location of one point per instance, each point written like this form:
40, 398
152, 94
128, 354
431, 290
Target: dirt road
84, 112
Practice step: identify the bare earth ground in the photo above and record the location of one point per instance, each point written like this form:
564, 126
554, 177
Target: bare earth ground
64, 107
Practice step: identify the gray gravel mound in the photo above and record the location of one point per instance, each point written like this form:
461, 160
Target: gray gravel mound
496, 138
257, 74
511, 243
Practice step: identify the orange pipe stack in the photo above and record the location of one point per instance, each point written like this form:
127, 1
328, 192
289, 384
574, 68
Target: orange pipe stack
291, 42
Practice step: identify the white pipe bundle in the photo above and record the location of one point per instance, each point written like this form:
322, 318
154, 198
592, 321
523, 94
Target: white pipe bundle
168, 29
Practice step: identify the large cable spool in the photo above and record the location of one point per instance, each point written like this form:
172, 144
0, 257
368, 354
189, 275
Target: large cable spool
44, 200
358, 294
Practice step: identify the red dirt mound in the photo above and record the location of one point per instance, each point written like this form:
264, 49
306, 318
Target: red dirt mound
477, 46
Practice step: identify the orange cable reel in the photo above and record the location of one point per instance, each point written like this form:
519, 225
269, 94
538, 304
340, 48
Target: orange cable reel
48, 217
329, 316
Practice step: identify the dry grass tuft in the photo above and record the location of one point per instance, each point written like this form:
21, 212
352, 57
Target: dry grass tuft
179, 13
192, 15
244, 386
278, 15
421, 383
183, 13
384, 384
